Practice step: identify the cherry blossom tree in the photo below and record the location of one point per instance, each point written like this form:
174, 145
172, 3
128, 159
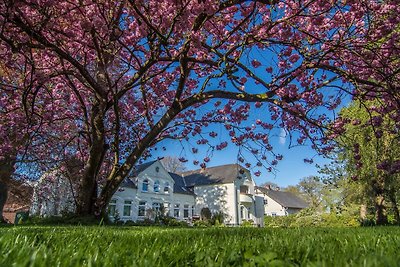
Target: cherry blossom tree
134, 73
30, 127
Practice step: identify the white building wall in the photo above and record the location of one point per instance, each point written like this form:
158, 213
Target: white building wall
273, 208
218, 198
168, 201
153, 173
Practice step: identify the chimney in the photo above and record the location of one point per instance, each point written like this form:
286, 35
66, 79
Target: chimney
268, 186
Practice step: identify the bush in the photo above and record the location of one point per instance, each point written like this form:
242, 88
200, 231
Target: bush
171, 221
69, 219
217, 219
202, 223
309, 218
247, 223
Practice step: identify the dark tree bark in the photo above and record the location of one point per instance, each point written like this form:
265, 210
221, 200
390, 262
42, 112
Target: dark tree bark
378, 186
87, 191
6, 171
3, 199
380, 213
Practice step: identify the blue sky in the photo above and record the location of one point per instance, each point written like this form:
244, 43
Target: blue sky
292, 168
289, 171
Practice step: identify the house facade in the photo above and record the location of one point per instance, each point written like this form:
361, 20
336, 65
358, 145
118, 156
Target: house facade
227, 189
149, 190
279, 203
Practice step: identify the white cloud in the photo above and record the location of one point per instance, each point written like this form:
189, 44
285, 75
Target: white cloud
282, 136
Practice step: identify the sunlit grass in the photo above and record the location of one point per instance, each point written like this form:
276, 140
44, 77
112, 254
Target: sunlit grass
151, 246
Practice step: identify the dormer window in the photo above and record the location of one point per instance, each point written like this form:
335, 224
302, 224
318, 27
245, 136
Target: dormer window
157, 186
166, 188
145, 186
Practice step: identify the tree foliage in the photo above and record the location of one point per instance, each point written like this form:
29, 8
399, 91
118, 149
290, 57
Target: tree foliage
371, 150
126, 75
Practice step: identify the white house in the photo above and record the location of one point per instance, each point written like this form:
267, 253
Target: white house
147, 190
52, 195
279, 203
150, 189
229, 189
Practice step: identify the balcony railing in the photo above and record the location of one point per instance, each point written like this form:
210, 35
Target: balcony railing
246, 198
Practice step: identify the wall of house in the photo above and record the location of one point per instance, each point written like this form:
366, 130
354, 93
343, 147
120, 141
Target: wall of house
218, 198
273, 208
248, 210
167, 198
168, 201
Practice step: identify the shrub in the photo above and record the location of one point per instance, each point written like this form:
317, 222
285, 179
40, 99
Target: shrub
247, 223
205, 214
217, 219
171, 221
308, 219
68, 219
201, 223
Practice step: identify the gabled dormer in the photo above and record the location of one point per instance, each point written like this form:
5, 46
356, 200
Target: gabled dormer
151, 177
245, 182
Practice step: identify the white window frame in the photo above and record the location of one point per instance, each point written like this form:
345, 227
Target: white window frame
186, 211
113, 204
142, 204
167, 208
177, 208
156, 186
145, 183
156, 206
166, 188
127, 205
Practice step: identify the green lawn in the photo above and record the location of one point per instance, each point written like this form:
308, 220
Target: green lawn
150, 246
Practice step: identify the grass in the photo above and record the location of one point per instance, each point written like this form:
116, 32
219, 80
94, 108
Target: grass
151, 246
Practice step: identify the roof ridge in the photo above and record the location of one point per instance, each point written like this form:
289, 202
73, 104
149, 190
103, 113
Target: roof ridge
213, 167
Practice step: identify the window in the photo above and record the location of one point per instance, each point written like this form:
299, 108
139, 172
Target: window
166, 188
167, 207
112, 207
273, 214
156, 208
157, 186
142, 208
248, 213
186, 211
265, 201
244, 189
127, 208
192, 211
242, 212
145, 186
176, 211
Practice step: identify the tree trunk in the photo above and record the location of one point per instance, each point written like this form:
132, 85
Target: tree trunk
363, 212
3, 199
87, 189
380, 207
121, 172
6, 171
378, 186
